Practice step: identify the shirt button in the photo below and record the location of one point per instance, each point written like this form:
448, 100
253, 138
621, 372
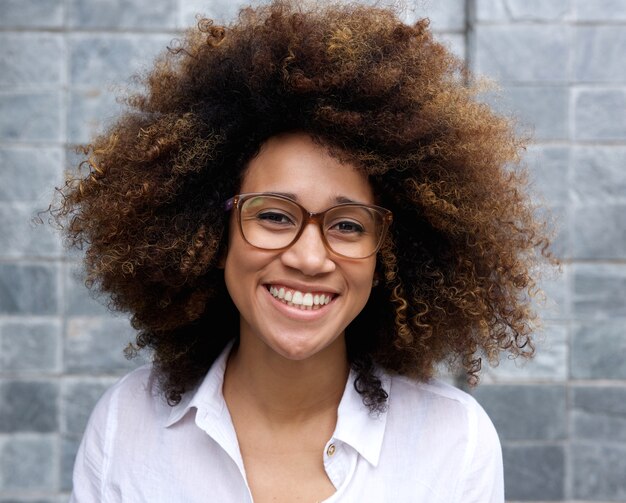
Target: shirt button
331, 449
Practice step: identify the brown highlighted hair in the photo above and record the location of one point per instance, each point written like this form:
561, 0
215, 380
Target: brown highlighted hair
459, 267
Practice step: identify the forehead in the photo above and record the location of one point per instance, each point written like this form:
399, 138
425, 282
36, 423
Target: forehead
295, 164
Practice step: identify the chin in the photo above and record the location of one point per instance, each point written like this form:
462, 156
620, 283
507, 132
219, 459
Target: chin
305, 348
296, 354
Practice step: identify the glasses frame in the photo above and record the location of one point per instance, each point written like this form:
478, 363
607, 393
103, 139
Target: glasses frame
236, 202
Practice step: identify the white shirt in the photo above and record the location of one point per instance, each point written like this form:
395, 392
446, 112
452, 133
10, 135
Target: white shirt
435, 444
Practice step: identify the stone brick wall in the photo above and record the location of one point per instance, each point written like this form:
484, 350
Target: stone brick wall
561, 418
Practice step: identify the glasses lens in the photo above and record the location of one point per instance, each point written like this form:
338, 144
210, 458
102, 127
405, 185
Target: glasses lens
353, 230
270, 222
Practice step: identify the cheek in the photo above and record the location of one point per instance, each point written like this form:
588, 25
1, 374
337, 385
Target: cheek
362, 277
236, 262
237, 254
239, 277
242, 265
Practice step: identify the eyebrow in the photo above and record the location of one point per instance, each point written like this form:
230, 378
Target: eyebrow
338, 199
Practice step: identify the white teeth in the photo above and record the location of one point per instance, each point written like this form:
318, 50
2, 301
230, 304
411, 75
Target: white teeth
297, 297
302, 300
307, 300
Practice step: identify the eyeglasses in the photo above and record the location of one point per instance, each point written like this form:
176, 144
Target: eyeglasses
275, 222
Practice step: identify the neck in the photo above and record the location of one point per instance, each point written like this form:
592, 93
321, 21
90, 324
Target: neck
282, 390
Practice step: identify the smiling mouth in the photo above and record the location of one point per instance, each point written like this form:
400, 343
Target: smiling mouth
302, 300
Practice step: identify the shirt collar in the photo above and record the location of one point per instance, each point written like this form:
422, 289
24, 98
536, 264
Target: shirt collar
207, 395
357, 426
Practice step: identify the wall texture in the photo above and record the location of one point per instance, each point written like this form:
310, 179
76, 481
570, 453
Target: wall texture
561, 418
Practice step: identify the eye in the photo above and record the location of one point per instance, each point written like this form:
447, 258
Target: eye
275, 217
347, 227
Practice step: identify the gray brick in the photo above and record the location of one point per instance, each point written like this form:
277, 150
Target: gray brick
599, 291
29, 346
31, 59
73, 157
523, 10
601, 10
598, 175
28, 406
90, 112
549, 363
489, 10
599, 413
557, 217
549, 169
445, 15
31, 13
69, 448
539, 10
599, 54
523, 53
122, 14
599, 232
541, 111
73, 255
454, 42
103, 60
30, 174
555, 304
598, 350
32, 116
28, 289
80, 301
534, 473
525, 412
222, 11
598, 472
21, 236
52, 499
79, 399
97, 345
28, 463
599, 114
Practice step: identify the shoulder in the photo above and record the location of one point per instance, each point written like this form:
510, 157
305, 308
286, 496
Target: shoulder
135, 394
437, 401
445, 435
432, 391
138, 383
120, 410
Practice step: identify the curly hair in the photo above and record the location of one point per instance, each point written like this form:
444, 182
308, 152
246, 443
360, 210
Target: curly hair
459, 264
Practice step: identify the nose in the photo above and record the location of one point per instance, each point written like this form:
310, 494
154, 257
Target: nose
309, 253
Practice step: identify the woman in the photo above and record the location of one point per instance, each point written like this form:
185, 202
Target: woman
306, 213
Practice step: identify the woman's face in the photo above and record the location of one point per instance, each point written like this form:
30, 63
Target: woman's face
293, 164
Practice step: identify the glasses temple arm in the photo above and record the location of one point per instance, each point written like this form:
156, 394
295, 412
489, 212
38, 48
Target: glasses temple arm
228, 205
